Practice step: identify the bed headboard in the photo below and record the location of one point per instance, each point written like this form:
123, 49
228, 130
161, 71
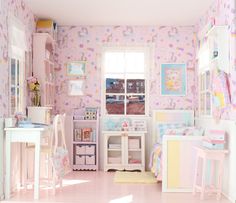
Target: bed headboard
185, 117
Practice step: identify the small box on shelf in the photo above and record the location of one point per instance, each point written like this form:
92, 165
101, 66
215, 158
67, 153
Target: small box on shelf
80, 160
90, 160
91, 113
90, 149
80, 149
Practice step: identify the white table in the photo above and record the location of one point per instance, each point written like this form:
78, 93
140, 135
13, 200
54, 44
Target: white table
25, 135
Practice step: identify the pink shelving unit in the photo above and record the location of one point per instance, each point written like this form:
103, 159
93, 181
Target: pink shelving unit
43, 66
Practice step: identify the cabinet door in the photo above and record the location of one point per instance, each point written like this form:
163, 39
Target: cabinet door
114, 149
135, 151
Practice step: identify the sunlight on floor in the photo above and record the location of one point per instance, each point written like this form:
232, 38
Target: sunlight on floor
66, 182
126, 199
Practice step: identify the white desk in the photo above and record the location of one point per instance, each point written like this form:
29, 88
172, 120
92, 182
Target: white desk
25, 135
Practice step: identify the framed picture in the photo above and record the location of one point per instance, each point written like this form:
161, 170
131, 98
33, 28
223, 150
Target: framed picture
87, 134
75, 87
173, 79
76, 68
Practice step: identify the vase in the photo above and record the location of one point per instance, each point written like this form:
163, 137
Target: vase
36, 99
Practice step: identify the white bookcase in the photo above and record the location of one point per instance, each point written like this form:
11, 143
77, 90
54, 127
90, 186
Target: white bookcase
124, 150
43, 66
85, 144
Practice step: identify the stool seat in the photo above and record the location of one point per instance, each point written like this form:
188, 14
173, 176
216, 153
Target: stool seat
212, 156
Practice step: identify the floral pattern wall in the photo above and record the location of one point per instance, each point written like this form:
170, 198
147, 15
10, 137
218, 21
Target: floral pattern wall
224, 13
20, 10
169, 45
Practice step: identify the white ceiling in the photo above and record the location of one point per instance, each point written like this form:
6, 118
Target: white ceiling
120, 12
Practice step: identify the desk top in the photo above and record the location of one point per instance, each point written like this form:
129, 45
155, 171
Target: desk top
36, 128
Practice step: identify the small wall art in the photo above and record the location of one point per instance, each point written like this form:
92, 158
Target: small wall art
173, 79
76, 68
75, 87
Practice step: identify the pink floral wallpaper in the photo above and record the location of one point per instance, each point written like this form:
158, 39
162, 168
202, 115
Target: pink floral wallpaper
224, 13
170, 45
20, 10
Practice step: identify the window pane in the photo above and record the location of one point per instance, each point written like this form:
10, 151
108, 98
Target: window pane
18, 72
13, 71
202, 103
115, 85
114, 62
207, 80
18, 98
115, 104
135, 105
208, 103
202, 80
134, 62
13, 100
135, 86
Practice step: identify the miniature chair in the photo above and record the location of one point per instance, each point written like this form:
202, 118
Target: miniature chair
59, 153
212, 156
57, 140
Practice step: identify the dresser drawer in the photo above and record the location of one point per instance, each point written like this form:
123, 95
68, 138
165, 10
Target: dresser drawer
90, 149
79, 160
90, 160
80, 149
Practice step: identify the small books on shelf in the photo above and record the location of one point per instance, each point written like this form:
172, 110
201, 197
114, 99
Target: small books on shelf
84, 135
114, 146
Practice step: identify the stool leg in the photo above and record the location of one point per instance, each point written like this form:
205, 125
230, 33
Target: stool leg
203, 186
213, 174
219, 180
195, 176
25, 168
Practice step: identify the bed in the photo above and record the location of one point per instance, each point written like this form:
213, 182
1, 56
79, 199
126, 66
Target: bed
172, 158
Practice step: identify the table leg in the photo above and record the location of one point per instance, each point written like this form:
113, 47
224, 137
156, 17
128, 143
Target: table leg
203, 186
36, 170
8, 167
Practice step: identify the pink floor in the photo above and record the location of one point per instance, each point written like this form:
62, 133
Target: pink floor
98, 187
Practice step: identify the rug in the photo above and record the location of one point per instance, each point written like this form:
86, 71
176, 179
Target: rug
134, 177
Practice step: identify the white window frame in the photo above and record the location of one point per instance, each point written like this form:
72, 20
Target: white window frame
203, 68
19, 102
147, 52
16, 51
